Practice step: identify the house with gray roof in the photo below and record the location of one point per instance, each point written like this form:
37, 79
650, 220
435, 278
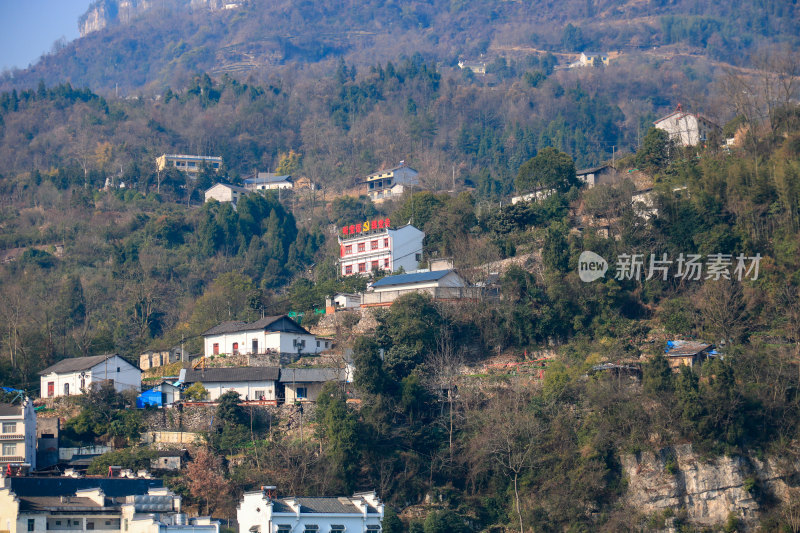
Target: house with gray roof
251, 382
438, 284
263, 512
305, 384
272, 334
75, 375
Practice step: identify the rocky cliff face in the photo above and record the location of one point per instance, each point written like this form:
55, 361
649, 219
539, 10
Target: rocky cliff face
102, 13
709, 491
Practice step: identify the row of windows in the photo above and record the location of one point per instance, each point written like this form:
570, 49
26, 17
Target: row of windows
335, 528
362, 267
362, 246
235, 346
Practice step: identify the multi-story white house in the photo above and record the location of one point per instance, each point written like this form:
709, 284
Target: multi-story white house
271, 334
94, 504
262, 512
17, 433
252, 383
686, 129
188, 163
374, 245
73, 376
391, 182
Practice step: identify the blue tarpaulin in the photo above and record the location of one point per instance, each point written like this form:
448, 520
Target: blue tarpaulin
150, 397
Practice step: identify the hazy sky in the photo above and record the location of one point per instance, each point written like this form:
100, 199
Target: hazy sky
28, 28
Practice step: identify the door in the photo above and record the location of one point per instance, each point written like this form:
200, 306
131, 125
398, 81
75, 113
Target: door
51, 389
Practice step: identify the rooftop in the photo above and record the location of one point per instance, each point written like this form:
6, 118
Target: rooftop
234, 373
77, 364
339, 505
306, 375
685, 348
267, 323
416, 277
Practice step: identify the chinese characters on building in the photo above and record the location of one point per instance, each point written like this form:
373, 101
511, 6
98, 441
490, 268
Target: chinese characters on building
687, 267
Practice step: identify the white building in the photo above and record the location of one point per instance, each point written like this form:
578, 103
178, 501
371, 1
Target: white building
17, 433
73, 376
438, 284
262, 512
272, 334
98, 504
537, 195
602, 175
222, 192
686, 129
374, 245
252, 383
391, 183
344, 300
265, 181
188, 163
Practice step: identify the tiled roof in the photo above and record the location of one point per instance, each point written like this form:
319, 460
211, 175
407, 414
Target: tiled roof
233, 373
310, 375
55, 503
231, 187
77, 364
263, 323
686, 348
265, 177
416, 277
67, 486
320, 505
591, 170
7, 409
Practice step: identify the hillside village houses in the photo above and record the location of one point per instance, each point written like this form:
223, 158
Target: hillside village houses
251, 383
686, 129
73, 376
272, 334
263, 512
374, 245
17, 433
264, 181
439, 284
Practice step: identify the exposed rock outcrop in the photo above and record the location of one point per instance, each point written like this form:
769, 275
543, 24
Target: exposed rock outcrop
102, 13
709, 490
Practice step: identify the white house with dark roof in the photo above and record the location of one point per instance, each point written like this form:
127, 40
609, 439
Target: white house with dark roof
438, 284
271, 334
265, 181
94, 504
262, 512
392, 182
601, 175
73, 376
251, 382
17, 433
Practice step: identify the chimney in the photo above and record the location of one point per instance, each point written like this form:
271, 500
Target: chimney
269, 491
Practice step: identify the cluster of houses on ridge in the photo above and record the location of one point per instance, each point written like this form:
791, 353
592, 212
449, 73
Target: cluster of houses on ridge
141, 504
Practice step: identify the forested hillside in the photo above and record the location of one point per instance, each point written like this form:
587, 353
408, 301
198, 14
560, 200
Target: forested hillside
169, 43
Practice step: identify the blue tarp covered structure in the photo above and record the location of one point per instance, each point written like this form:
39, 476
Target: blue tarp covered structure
150, 397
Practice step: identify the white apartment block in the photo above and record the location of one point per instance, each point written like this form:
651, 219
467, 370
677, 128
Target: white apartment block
374, 245
17, 433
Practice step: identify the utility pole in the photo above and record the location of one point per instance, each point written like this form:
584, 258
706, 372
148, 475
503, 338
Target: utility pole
613, 156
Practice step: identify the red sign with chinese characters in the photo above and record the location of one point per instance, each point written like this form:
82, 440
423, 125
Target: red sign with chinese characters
369, 225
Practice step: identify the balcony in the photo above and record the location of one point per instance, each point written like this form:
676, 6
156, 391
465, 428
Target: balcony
12, 436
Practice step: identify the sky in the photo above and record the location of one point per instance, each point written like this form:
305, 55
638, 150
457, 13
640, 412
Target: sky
30, 27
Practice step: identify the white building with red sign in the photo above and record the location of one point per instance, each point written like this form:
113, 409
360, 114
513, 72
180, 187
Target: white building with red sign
375, 245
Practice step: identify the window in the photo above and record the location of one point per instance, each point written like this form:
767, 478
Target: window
284, 528
216, 348
302, 392
373, 528
255, 345
58, 522
31, 524
385, 243
83, 383
418, 257
89, 525
373, 245
9, 427
311, 528
362, 246
9, 449
294, 342
66, 389
362, 267
337, 528
348, 269
259, 395
348, 249
51, 389
326, 344
317, 344
386, 264
192, 164
374, 265
117, 369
